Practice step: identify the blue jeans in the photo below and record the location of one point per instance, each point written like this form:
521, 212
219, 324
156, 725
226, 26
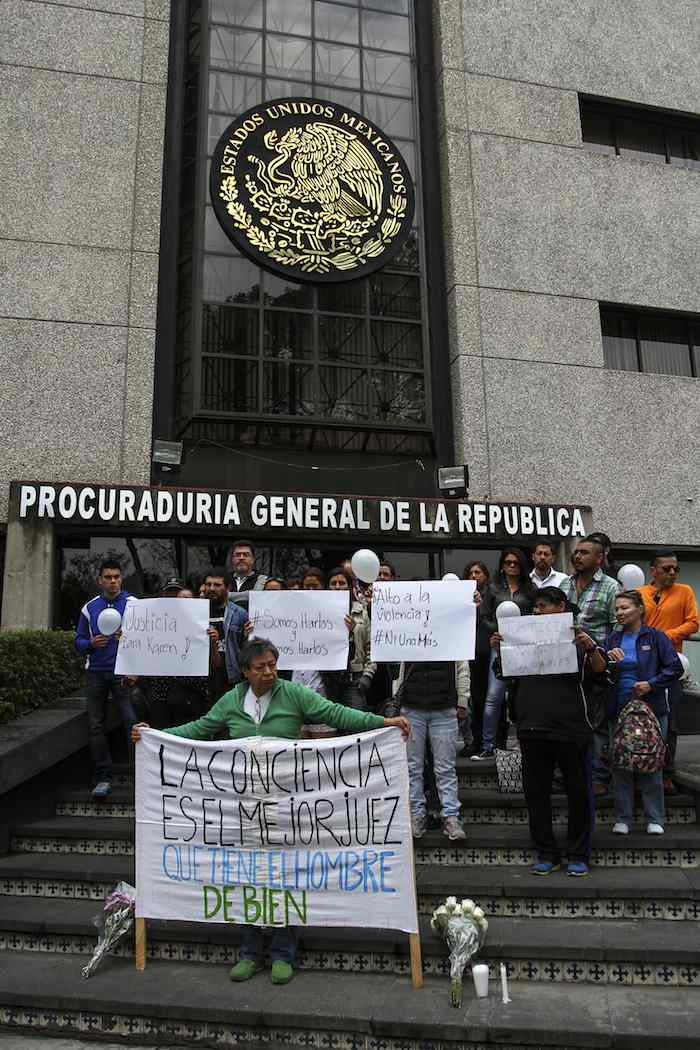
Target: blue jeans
651, 785
283, 945
442, 730
495, 696
100, 686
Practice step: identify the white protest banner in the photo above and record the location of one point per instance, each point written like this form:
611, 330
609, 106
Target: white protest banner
165, 637
308, 627
538, 645
275, 832
423, 621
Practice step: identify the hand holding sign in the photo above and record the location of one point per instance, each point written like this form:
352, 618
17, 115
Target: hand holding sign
424, 621
309, 628
165, 637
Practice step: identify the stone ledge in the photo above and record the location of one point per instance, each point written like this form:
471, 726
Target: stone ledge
37, 741
177, 1003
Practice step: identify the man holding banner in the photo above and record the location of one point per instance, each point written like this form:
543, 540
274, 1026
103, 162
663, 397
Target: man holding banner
267, 706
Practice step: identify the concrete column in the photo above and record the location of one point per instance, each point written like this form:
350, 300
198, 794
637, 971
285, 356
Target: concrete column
29, 574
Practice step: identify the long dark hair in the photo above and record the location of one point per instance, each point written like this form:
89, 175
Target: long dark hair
524, 582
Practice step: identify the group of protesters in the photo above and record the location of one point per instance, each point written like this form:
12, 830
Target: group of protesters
627, 681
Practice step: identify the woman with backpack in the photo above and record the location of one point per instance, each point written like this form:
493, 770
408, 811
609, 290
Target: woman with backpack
642, 663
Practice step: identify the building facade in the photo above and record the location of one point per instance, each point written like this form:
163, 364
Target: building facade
540, 322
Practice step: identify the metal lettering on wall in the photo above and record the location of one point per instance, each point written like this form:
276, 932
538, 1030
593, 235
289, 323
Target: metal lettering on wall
201, 510
311, 190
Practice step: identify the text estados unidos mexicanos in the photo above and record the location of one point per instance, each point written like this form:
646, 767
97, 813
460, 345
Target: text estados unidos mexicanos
149, 506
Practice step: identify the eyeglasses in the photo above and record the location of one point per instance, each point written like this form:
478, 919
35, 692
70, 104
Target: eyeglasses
671, 568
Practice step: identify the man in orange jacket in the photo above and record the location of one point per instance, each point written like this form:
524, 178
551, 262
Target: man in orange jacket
671, 607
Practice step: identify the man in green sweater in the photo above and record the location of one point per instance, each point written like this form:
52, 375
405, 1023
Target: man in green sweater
265, 705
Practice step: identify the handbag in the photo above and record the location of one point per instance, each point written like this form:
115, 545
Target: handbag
509, 769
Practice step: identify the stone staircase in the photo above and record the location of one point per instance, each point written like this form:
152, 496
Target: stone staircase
626, 937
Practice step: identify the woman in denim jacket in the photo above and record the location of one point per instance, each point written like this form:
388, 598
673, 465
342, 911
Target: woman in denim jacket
642, 664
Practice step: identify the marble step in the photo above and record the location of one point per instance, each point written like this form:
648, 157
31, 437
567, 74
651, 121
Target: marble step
487, 844
671, 894
615, 952
469, 774
479, 806
175, 1003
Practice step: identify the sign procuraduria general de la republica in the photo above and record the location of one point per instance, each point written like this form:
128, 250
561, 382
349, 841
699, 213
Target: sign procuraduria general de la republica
201, 510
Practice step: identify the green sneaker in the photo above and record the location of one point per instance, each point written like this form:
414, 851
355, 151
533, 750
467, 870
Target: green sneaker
282, 972
244, 969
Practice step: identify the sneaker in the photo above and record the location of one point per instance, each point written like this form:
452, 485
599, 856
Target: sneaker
101, 789
545, 867
483, 756
244, 969
417, 827
577, 869
654, 829
620, 828
452, 827
282, 972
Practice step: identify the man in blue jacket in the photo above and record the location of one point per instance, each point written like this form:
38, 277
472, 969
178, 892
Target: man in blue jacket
100, 652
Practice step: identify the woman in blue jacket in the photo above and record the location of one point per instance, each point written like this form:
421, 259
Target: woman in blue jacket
642, 663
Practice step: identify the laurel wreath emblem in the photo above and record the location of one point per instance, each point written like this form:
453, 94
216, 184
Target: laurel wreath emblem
347, 258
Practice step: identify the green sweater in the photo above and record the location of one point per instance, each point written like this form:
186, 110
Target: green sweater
291, 706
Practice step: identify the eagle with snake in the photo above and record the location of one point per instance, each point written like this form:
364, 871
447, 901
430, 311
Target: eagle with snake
329, 167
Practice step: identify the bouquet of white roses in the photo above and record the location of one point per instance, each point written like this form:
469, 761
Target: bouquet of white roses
114, 922
463, 925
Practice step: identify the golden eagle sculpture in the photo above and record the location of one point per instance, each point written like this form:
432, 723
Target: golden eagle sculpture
331, 167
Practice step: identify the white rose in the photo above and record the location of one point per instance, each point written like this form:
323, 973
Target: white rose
478, 913
442, 910
468, 906
484, 923
451, 902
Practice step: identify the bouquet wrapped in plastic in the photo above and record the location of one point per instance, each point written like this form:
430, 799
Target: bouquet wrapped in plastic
113, 922
463, 925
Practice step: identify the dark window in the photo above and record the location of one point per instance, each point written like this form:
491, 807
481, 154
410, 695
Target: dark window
650, 341
254, 344
647, 134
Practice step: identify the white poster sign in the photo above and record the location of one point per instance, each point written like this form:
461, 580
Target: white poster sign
538, 644
275, 832
308, 627
423, 621
164, 637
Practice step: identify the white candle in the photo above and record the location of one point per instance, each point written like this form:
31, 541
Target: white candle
504, 983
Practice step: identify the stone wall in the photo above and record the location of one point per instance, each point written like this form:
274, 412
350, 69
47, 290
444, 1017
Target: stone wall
82, 108
539, 230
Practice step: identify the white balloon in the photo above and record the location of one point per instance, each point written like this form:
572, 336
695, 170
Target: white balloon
451, 576
365, 565
507, 609
109, 621
631, 577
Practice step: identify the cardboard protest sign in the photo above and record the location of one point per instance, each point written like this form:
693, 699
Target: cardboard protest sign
423, 621
165, 637
538, 645
275, 832
308, 627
